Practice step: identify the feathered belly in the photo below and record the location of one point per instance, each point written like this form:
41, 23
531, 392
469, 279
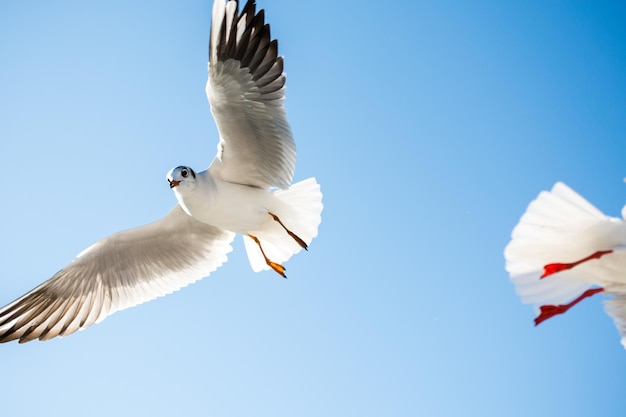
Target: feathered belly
233, 207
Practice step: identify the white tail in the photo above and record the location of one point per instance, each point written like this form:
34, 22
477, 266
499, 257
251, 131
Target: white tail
559, 226
299, 208
562, 227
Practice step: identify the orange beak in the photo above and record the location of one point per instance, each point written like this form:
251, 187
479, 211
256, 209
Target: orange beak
173, 183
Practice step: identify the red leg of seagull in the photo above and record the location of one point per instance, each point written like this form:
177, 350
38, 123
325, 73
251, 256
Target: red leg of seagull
548, 311
550, 269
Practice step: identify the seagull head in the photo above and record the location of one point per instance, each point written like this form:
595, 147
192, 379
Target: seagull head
181, 176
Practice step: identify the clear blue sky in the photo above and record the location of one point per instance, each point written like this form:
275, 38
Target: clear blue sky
430, 125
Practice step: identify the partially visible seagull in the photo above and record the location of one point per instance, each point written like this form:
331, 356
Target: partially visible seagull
564, 250
247, 189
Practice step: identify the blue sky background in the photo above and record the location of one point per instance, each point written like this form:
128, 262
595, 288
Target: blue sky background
430, 125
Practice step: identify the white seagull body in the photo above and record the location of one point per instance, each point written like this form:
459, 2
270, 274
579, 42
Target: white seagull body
256, 155
564, 250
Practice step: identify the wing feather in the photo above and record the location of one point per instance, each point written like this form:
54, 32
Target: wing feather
246, 90
118, 272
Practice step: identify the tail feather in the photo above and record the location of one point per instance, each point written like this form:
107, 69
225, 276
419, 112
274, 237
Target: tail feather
576, 200
616, 308
559, 226
299, 208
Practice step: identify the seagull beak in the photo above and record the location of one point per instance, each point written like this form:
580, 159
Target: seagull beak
173, 183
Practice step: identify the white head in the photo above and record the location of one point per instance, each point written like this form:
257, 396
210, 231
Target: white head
181, 179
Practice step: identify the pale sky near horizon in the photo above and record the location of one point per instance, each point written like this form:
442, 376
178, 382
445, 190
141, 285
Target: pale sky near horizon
430, 127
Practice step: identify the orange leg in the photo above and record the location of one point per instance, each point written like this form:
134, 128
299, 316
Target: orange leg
293, 235
276, 267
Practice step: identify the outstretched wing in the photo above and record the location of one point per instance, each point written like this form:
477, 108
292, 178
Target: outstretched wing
120, 271
246, 90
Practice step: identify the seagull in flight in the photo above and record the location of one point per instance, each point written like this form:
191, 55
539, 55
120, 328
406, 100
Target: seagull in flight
564, 250
246, 190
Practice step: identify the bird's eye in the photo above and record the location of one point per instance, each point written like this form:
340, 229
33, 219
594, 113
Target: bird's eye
184, 173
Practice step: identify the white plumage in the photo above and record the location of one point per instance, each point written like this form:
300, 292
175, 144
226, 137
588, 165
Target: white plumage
256, 155
577, 249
